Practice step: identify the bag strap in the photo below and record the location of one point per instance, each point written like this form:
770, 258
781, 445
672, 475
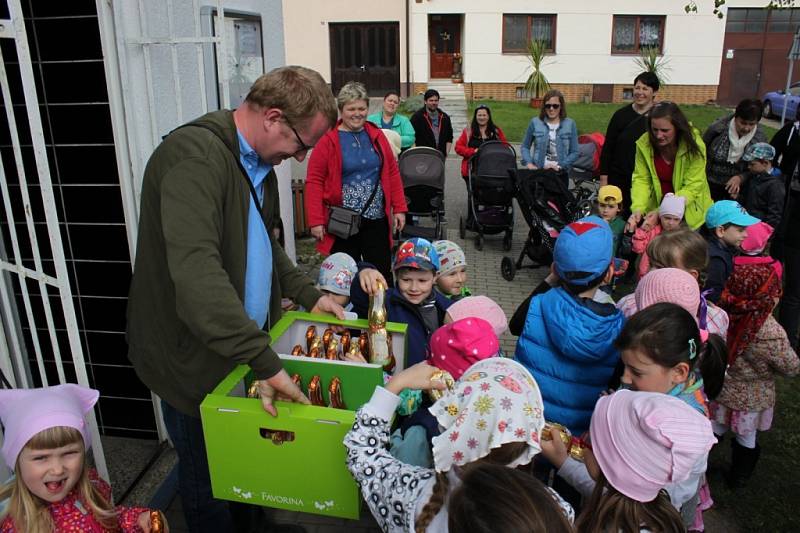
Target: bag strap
371, 196
245, 175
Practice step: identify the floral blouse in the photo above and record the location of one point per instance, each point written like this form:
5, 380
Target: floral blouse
395, 491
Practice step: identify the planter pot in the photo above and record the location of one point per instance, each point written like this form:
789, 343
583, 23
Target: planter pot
457, 80
536, 103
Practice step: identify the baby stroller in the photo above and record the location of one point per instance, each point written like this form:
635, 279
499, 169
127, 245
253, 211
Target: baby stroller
490, 193
422, 171
547, 206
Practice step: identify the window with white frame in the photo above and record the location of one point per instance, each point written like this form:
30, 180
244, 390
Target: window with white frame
632, 33
518, 30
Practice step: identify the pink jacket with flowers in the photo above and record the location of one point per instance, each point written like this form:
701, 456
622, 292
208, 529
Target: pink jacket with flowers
72, 515
641, 238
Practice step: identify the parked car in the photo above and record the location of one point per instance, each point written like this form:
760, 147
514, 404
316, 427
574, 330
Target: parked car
774, 101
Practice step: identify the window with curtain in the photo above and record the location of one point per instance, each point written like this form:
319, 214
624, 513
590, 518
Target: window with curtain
519, 29
632, 33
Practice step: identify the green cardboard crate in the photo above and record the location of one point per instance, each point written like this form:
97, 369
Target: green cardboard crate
306, 474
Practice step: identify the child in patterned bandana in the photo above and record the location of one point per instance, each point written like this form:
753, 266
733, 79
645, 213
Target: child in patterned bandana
452, 277
494, 414
336, 275
54, 489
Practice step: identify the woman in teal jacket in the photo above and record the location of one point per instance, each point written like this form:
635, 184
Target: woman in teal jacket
389, 119
670, 157
551, 140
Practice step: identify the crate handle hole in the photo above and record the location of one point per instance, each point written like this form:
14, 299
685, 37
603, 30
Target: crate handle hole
276, 436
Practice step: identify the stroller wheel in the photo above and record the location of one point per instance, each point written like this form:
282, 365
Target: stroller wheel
462, 227
507, 268
507, 241
479, 242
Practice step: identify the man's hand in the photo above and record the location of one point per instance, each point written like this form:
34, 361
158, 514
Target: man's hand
650, 221
554, 449
318, 232
327, 306
416, 377
603, 180
369, 279
399, 221
734, 185
279, 387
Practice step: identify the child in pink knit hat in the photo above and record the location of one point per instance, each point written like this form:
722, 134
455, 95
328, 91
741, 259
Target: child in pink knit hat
54, 489
481, 307
456, 347
668, 218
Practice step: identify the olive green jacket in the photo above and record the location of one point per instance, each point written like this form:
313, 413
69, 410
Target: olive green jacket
187, 327
688, 180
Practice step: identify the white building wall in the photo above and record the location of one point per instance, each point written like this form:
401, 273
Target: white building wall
152, 93
307, 37
692, 42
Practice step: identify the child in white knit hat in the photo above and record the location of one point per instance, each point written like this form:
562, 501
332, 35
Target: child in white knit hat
336, 275
668, 218
451, 279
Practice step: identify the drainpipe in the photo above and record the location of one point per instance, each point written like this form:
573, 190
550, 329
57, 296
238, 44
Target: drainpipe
408, 50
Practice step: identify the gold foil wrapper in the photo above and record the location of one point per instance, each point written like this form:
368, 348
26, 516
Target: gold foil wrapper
315, 392
252, 390
327, 335
311, 333
157, 522
445, 377
298, 350
345, 342
314, 352
297, 380
566, 436
363, 345
335, 394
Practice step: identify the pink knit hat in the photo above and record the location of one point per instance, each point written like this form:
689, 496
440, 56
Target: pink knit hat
668, 285
644, 441
482, 307
757, 238
26, 412
456, 347
672, 205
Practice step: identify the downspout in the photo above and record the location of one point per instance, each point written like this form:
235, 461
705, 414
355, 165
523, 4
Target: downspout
408, 54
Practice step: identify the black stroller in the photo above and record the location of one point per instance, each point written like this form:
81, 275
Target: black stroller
490, 193
547, 205
422, 171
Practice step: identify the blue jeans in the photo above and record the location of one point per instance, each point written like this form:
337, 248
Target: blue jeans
202, 511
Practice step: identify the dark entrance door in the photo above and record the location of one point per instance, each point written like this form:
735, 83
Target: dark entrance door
745, 75
369, 53
444, 36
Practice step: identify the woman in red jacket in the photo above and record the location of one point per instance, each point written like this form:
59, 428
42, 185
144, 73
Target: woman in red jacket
481, 130
346, 166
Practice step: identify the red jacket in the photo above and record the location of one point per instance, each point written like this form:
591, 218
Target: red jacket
324, 181
464, 150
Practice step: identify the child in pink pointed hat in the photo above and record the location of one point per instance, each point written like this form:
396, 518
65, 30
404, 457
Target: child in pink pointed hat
45, 443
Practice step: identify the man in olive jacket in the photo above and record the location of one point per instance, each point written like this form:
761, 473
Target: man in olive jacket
189, 320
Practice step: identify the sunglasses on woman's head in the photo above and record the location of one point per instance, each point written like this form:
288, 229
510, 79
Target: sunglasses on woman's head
552, 106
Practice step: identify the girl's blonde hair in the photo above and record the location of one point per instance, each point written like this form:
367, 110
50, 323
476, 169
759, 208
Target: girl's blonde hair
29, 512
610, 510
683, 248
502, 456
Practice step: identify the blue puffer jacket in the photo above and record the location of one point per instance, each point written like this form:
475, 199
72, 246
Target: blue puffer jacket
569, 350
398, 309
537, 136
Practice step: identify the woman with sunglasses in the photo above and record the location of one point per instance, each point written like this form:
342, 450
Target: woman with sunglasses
670, 157
481, 130
353, 166
551, 140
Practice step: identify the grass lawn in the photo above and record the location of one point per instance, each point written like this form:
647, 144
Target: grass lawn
513, 117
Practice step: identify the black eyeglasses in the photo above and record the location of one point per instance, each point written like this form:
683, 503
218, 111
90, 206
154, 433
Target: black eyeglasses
303, 146
552, 106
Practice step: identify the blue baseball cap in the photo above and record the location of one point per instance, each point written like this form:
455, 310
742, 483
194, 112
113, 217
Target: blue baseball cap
728, 212
583, 250
416, 253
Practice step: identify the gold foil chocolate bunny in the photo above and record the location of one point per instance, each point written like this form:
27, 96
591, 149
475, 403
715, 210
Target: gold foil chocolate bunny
378, 336
335, 393
311, 334
315, 391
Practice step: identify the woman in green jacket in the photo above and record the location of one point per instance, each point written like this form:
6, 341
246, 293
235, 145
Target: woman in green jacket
670, 157
390, 119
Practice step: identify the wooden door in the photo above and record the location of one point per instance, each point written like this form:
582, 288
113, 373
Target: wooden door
444, 37
744, 73
369, 53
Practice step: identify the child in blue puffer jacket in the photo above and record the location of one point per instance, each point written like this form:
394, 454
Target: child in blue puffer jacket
567, 340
